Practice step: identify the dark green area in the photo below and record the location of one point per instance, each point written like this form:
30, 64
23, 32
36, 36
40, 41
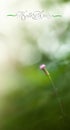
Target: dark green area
35, 106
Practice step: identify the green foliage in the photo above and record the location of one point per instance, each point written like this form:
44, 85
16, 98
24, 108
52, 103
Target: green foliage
34, 105
49, 3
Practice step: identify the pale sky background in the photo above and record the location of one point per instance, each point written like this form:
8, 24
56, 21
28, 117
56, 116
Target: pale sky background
9, 28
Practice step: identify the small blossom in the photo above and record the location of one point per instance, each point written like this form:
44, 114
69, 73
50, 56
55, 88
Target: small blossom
42, 67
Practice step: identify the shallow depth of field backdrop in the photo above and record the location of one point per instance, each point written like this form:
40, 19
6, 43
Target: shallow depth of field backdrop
31, 33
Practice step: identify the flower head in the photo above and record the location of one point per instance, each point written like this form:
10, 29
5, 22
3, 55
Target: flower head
42, 67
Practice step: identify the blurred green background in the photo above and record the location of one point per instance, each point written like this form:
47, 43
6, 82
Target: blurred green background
27, 98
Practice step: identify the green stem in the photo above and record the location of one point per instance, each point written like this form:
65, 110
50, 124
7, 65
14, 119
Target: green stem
55, 91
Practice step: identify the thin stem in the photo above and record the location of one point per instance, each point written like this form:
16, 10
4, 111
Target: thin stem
55, 90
